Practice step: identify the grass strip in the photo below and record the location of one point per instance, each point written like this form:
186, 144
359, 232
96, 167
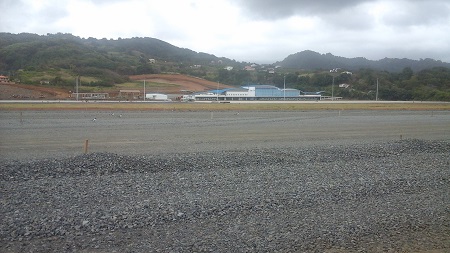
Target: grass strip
138, 106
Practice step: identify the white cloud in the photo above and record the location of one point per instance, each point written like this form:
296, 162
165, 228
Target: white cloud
250, 30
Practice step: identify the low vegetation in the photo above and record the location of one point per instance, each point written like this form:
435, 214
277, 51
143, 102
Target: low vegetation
139, 106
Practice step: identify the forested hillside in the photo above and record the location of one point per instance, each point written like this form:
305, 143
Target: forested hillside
55, 60
107, 61
428, 84
310, 60
65, 50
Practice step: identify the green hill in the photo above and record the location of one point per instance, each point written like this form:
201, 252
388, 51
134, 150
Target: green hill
310, 60
106, 61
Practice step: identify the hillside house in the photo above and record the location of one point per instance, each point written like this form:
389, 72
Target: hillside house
130, 94
4, 79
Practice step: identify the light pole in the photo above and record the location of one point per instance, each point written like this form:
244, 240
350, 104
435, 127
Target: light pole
332, 90
335, 70
284, 88
144, 90
376, 96
76, 88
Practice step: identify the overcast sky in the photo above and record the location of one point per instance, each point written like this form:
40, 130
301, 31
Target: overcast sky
262, 31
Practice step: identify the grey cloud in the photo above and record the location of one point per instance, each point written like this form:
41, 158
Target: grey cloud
11, 4
12, 17
53, 13
105, 1
348, 19
19, 16
419, 13
275, 9
349, 14
346, 13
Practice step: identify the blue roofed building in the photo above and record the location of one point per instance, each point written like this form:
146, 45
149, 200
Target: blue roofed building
255, 92
273, 91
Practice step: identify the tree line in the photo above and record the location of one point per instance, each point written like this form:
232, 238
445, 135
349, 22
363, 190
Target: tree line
428, 84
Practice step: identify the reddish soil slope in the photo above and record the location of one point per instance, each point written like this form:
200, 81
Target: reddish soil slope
178, 83
22, 91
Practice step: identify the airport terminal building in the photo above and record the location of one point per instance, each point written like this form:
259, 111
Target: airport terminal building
256, 93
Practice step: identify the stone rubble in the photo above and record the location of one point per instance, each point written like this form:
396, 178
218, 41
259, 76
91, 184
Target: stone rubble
382, 196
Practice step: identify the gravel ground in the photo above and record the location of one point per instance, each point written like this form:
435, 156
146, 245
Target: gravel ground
358, 190
43, 134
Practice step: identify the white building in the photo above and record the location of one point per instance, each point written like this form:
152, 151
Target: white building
256, 92
156, 96
240, 92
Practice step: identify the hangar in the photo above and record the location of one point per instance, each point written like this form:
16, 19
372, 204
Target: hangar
256, 93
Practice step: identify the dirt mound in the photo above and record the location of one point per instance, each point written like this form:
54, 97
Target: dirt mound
167, 83
22, 91
177, 83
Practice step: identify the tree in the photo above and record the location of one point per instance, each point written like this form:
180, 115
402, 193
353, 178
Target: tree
303, 80
407, 73
343, 78
321, 80
144, 68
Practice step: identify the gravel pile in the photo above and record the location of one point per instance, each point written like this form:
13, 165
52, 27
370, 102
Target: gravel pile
390, 196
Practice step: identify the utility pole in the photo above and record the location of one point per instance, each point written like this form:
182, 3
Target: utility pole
144, 90
332, 90
376, 96
76, 85
284, 88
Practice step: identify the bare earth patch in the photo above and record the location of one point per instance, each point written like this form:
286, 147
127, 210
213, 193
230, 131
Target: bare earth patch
183, 82
23, 91
169, 84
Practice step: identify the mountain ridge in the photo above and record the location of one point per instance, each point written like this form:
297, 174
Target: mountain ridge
127, 56
311, 60
25, 49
